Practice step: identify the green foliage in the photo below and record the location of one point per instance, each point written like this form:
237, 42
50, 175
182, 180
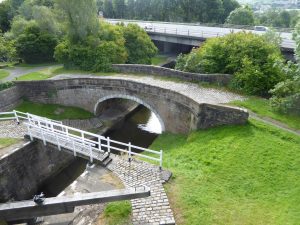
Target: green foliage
53, 111
213, 11
7, 50
117, 213
241, 16
80, 18
159, 59
90, 57
5, 16
263, 108
278, 18
233, 175
139, 45
249, 57
6, 85
35, 46
286, 94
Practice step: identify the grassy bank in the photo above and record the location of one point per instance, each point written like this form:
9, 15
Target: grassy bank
116, 213
234, 175
159, 59
53, 111
263, 108
3, 74
4, 142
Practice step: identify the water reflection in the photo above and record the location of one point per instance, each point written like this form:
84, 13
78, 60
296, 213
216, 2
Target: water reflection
141, 128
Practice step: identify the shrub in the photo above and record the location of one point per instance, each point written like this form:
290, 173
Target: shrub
7, 50
35, 46
249, 57
6, 85
88, 57
139, 45
97, 53
286, 94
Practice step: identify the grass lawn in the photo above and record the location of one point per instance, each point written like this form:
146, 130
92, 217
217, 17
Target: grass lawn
55, 112
116, 213
159, 59
3, 74
263, 108
237, 175
4, 142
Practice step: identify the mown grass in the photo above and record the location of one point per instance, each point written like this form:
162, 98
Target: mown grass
262, 107
234, 175
4, 142
3, 74
53, 111
116, 213
159, 59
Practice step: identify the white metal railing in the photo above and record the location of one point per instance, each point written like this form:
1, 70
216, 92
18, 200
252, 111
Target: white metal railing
89, 144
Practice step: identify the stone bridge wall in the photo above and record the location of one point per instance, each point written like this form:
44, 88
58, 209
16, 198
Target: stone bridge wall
166, 72
178, 113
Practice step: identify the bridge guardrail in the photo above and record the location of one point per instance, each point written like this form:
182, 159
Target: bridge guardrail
72, 138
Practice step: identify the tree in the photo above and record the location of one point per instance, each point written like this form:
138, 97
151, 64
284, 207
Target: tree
81, 18
119, 8
241, 16
108, 9
5, 16
35, 46
229, 6
249, 57
7, 50
138, 44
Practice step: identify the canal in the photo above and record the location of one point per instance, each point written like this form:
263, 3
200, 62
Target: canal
141, 128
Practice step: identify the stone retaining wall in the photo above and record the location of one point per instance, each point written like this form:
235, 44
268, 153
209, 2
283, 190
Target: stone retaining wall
223, 79
24, 170
10, 98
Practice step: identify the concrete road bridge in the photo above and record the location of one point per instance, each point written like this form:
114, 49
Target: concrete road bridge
182, 36
180, 108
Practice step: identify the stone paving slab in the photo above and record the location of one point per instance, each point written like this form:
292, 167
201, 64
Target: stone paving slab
154, 210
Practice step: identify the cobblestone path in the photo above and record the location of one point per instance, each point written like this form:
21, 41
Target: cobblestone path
10, 129
154, 210
192, 90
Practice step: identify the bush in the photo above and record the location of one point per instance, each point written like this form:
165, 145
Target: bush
7, 50
286, 94
35, 46
95, 54
6, 85
88, 57
249, 57
139, 45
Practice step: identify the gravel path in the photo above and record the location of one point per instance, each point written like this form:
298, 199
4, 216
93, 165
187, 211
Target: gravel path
17, 71
194, 91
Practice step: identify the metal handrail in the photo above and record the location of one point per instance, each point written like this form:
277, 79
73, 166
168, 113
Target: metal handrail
92, 142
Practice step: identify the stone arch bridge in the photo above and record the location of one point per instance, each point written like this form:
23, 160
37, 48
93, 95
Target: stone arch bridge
177, 112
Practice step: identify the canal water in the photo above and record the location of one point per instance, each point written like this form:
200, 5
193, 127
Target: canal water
140, 128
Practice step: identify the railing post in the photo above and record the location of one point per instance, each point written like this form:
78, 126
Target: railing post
188, 32
91, 153
161, 160
108, 145
73, 145
57, 140
43, 135
16, 116
29, 132
99, 144
129, 154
